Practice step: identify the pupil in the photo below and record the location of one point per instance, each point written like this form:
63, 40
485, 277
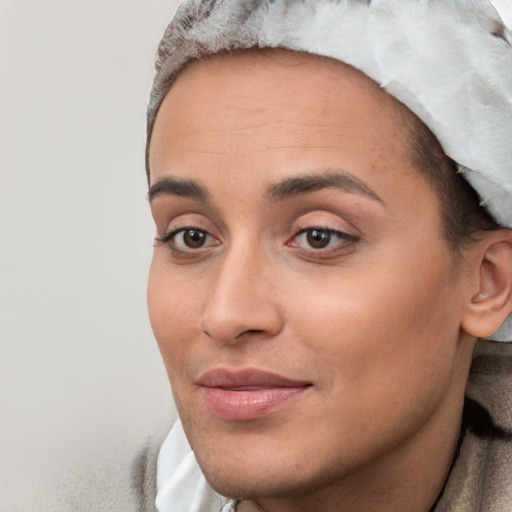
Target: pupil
318, 239
194, 238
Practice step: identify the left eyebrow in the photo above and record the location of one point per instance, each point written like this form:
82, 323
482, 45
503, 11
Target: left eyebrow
307, 183
178, 187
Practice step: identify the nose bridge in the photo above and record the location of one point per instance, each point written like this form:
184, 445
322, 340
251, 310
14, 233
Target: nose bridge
241, 299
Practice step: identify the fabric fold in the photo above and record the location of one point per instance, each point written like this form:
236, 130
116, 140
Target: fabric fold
181, 484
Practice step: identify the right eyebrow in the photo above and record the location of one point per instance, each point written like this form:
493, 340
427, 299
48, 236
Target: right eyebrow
329, 178
178, 187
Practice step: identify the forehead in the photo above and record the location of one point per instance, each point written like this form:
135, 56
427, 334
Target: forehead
236, 124
248, 89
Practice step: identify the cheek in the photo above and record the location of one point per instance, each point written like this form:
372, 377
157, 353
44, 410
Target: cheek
383, 323
383, 348
174, 311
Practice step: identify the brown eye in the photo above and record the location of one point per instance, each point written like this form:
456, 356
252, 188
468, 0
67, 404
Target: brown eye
188, 241
194, 238
318, 238
321, 240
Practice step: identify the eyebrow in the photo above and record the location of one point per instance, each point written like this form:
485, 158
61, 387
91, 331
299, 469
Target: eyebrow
307, 183
178, 187
286, 189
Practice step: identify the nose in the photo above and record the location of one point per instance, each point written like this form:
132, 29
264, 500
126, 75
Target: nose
242, 303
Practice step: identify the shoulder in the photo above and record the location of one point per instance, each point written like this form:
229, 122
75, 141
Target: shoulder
143, 472
480, 480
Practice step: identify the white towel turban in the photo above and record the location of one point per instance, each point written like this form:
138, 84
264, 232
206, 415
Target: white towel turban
448, 61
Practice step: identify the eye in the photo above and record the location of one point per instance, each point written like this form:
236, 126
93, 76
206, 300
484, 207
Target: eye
318, 239
188, 239
191, 238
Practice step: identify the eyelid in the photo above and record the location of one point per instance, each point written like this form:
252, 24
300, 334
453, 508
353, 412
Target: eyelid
328, 230
172, 230
179, 250
173, 221
329, 224
169, 235
170, 215
338, 232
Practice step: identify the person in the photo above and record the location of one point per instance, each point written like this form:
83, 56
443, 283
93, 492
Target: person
331, 185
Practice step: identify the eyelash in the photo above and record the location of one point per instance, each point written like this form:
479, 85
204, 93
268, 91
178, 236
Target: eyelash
168, 239
344, 241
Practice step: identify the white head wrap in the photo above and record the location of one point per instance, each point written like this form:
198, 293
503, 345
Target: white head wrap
448, 61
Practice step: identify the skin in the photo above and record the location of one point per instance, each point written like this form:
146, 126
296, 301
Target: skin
373, 321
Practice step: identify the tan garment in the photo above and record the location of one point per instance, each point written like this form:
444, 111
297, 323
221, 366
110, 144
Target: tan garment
481, 480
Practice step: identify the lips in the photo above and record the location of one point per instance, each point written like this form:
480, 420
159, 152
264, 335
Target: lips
248, 394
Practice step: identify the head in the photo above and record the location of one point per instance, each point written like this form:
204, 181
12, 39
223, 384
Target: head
315, 290
298, 236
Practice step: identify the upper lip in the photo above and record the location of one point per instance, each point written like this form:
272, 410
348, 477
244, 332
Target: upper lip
246, 378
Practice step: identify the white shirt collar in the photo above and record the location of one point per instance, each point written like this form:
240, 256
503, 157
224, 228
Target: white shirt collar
180, 482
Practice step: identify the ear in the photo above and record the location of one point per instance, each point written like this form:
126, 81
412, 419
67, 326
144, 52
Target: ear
491, 299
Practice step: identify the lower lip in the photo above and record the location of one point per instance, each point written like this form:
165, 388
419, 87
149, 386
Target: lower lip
246, 405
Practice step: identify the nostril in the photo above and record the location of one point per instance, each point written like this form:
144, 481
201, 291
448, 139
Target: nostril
252, 331
247, 333
207, 334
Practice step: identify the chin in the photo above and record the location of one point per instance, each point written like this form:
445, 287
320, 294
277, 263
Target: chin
258, 472
237, 472
247, 483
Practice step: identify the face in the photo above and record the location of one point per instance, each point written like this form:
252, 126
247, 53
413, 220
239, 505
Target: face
301, 292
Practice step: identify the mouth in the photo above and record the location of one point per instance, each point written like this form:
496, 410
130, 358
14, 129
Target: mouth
248, 394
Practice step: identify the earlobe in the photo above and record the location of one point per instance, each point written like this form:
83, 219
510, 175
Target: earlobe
489, 307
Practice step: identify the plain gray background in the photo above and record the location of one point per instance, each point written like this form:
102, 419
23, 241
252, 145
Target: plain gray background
80, 373
79, 370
